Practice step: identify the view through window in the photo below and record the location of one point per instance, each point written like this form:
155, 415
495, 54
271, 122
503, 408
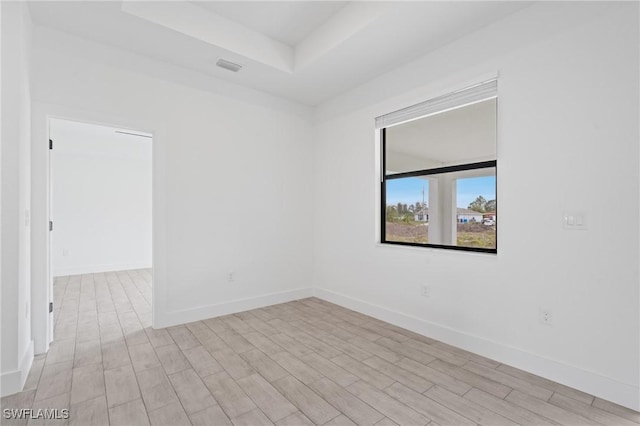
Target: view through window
439, 183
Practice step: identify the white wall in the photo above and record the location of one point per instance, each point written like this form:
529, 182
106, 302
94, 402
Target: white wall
101, 201
17, 347
232, 182
567, 140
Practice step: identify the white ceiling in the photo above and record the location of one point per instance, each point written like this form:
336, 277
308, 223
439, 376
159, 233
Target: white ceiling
307, 52
288, 22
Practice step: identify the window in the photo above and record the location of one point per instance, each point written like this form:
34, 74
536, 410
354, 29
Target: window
438, 180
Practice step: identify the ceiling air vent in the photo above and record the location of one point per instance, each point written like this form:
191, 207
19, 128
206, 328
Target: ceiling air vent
228, 65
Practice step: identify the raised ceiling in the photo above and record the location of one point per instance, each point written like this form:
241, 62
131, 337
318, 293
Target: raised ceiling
307, 52
288, 22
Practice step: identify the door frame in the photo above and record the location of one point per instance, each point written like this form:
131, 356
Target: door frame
42, 324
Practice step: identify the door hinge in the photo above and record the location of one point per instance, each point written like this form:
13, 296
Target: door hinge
50, 143
50, 307
50, 225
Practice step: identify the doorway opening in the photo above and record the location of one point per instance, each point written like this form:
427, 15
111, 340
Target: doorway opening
101, 240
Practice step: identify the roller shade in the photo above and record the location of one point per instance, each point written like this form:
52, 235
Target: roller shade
476, 93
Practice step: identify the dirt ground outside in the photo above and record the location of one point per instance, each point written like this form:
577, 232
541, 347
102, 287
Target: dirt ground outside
469, 234
408, 232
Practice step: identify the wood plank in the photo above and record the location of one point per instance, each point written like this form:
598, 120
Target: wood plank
155, 388
363, 371
291, 345
508, 380
330, 370
428, 407
233, 364
338, 366
130, 413
547, 384
616, 409
399, 374
587, 410
202, 362
210, 416
121, 385
468, 408
115, 354
413, 335
314, 407
375, 349
237, 324
348, 348
296, 419
252, 418
229, 395
436, 352
297, 368
172, 358
316, 345
507, 409
341, 420
266, 397
192, 392
169, 415
263, 343
550, 411
261, 326
466, 354
200, 331
89, 412
494, 388
89, 352
236, 341
434, 376
143, 357
361, 413
388, 422
88, 383
390, 407
264, 365
406, 351
183, 337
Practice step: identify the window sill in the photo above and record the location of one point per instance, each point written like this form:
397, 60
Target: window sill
429, 249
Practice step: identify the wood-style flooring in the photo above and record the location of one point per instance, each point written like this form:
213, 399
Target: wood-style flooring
307, 362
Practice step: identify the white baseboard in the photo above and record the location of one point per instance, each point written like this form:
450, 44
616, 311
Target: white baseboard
92, 269
231, 307
13, 381
625, 394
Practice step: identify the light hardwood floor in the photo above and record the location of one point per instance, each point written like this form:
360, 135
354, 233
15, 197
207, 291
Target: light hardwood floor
307, 362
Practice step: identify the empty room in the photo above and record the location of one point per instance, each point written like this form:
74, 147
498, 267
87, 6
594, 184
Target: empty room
320, 213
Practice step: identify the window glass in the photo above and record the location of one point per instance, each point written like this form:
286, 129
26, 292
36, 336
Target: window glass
407, 215
459, 136
476, 212
439, 184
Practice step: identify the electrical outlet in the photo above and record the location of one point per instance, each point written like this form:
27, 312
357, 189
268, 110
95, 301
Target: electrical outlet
426, 290
546, 316
65, 252
230, 277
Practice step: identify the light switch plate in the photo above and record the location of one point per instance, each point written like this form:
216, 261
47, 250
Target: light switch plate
574, 220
